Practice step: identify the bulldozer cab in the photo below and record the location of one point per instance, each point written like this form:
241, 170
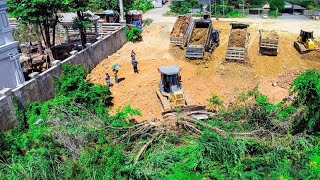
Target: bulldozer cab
305, 35
170, 79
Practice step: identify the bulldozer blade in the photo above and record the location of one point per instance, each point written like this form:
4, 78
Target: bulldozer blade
194, 112
300, 47
165, 104
185, 109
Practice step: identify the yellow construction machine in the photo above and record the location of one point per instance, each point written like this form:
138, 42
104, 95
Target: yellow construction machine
173, 100
305, 42
170, 90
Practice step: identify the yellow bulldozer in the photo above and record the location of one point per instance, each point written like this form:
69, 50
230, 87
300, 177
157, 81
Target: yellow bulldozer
173, 100
305, 42
170, 91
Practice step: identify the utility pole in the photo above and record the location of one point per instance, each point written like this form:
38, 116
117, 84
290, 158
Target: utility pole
223, 7
210, 9
215, 8
243, 8
121, 11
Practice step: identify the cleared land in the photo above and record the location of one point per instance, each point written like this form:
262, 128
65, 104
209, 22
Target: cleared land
201, 78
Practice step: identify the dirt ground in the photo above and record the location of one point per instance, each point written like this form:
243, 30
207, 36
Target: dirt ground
201, 78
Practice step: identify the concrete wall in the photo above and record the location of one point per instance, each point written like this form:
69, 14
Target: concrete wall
40, 87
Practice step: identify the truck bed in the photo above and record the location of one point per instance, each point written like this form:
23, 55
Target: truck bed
237, 53
181, 39
196, 48
268, 43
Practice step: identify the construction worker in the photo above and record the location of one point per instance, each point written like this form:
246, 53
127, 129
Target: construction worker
115, 73
108, 82
134, 62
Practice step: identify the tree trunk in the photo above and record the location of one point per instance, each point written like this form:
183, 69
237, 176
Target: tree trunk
54, 30
38, 34
47, 35
82, 29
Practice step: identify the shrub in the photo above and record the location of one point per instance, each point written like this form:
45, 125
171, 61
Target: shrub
143, 5
235, 14
133, 34
306, 87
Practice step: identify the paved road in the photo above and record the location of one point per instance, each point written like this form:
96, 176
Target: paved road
156, 14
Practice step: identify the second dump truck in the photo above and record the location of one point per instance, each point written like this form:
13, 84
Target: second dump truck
203, 38
268, 43
238, 42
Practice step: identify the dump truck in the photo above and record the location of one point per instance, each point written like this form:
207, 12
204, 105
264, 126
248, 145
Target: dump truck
181, 30
203, 38
238, 42
174, 101
268, 43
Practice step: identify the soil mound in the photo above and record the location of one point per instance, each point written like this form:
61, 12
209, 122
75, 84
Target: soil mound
269, 35
237, 38
313, 55
180, 27
198, 36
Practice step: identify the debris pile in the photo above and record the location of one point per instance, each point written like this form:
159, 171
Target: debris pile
313, 55
285, 81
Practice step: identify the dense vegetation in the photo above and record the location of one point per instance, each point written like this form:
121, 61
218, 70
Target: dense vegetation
143, 5
133, 34
73, 136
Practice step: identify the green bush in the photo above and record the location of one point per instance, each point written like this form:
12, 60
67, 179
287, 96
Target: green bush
143, 5
235, 14
133, 34
306, 87
78, 139
183, 7
273, 14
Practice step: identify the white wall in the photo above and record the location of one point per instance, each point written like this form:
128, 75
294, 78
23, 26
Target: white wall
8, 74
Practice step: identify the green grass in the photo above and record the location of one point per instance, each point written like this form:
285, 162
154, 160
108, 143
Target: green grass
236, 14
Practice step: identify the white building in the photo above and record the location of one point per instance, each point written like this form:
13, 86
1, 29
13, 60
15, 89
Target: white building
10, 70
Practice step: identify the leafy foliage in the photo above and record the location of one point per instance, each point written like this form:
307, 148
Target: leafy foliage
277, 5
235, 14
143, 5
101, 5
133, 34
41, 13
78, 139
307, 90
183, 7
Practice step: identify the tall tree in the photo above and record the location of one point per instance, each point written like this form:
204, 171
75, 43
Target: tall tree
41, 13
79, 6
97, 5
277, 5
